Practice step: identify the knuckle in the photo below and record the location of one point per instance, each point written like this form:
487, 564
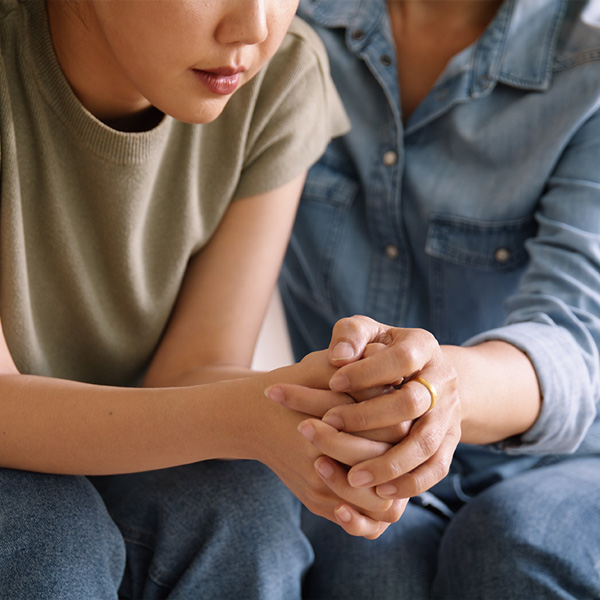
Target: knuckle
438, 469
427, 442
417, 483
396, 511
344, 321
425, 339
411, 400
392, 470
386, 337
355, 323
357, 418
410, 355
399, 431
444, 470
421, 480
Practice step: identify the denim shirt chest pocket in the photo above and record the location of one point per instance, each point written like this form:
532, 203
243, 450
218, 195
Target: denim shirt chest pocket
328, 237
474, 266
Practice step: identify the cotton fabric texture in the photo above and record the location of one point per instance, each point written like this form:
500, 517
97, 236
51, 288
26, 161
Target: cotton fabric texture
97, 226
96, 229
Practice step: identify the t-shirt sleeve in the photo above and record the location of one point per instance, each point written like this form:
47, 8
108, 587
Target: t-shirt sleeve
297, 112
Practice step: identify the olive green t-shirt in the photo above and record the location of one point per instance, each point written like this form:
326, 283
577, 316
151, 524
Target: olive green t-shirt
97, 226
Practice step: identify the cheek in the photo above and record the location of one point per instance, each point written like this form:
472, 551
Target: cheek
140, 33
278, 25
281, 13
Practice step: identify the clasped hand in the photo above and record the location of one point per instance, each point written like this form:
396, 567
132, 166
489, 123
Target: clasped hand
374, 428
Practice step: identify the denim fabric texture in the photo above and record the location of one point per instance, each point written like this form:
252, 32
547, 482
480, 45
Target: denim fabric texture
476, 218
215, 530
529, 537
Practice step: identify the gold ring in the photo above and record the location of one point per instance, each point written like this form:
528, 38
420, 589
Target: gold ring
430, 389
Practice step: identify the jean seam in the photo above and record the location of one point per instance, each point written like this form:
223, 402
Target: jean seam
158, 576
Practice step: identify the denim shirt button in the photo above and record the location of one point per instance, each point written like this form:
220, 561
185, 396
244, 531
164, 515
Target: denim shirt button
390, 158
502, 255
386, 60
392, 251
358, 34
483, 81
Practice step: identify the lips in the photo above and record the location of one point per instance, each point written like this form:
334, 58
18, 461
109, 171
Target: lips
223, 81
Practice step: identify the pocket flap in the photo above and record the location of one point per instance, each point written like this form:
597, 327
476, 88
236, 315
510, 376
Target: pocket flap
487, 245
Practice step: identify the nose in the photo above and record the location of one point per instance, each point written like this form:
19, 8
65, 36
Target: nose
244, 23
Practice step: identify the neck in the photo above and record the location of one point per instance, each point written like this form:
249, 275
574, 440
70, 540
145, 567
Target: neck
449, 13
89, 66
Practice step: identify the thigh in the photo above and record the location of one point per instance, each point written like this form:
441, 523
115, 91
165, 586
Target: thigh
58, 540
398, 565
531, 536
215, 529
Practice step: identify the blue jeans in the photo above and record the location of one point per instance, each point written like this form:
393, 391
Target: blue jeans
534, 536
211, 530
230, 530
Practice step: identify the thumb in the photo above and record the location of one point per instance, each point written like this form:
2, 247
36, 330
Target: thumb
350, 337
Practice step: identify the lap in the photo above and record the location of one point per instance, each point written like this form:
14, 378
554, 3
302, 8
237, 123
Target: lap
228, 528
57, 538
398, 565
532, 535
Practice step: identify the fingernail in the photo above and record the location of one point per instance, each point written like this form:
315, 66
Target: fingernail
342, 351
360, 478
307, 430
387, 490
339, 383
343, 514
324, 468
274, 393
334, 421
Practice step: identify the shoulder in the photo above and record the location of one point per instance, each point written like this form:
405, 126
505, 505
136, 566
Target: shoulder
292, 110
302, 49
297, 75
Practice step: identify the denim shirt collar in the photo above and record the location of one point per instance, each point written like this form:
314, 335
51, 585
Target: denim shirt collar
502, 53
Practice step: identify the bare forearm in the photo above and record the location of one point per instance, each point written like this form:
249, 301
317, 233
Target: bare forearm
499, 391
61, 426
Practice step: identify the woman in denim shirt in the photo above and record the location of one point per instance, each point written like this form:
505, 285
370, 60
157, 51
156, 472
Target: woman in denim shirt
465, 205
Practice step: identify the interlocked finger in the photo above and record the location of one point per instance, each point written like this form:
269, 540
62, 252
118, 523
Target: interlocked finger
306, 400
366, 499
411, 401
424, 441
346, 448
424, 476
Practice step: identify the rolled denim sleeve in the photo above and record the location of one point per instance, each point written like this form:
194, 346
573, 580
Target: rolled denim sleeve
554, 317
568, 392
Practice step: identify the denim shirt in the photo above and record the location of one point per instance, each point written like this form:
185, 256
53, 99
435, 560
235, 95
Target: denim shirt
478, 218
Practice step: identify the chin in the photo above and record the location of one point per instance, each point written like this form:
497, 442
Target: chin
199, 115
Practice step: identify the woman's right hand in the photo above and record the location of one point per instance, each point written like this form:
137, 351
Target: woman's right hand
320, 483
